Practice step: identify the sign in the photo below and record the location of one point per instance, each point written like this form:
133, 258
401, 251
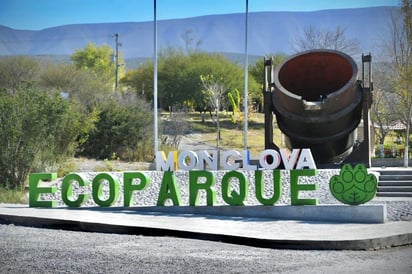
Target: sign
190, 160
352, 186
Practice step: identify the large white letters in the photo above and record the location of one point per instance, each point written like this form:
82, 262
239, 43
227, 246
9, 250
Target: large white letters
269, 159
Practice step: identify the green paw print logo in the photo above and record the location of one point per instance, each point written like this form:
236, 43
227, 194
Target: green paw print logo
353, 186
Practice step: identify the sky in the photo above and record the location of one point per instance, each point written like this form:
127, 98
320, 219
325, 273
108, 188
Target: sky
40, 14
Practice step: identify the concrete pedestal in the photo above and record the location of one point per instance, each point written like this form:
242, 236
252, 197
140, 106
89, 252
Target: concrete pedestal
321, 213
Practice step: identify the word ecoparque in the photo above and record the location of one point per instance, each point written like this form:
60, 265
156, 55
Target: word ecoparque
300, 163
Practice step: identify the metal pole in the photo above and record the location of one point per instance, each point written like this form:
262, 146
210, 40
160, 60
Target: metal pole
366, 96
155, 107
116, 84
245, 100
217, 124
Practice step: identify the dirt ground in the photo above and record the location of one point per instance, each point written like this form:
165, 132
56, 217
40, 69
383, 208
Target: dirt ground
92, 165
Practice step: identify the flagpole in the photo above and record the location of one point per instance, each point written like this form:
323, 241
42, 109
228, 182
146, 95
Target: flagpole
155, 107
245, 100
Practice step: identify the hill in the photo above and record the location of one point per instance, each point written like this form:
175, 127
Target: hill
269, 32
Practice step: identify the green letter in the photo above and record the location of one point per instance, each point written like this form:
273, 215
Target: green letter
35, 191
295, 187
129, 187
169, 190
234, 198
277, 190
98, 189
208, 186
67, 190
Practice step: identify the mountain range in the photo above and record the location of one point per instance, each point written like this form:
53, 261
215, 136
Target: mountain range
268, 33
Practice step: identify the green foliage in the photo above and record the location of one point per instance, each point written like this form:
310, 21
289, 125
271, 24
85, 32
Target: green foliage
37, 130
65, 168
17, 72
98, 60
179, 81
124, 129
257, 71
140, 80
108, 166
80, 84
400, 51
353, 186
234, 99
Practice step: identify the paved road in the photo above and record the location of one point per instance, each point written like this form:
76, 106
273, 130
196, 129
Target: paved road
34, 250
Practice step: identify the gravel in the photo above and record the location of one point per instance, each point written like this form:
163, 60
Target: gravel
399, 209
33, 250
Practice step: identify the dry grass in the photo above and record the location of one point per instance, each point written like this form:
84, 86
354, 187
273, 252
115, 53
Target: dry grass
232, 133
13, 196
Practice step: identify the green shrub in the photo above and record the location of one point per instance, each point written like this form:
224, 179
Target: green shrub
124, 129
65, 168
37, 130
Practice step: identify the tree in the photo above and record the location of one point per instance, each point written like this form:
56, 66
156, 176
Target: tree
179, 82
17, 71
214, 90
231, 75
175, 127
124, 129
257, 71
336, 39
399, 50
37, 130
140, 80
385, 101
98, 60
383, 112
174, 82
80, 84
187, 37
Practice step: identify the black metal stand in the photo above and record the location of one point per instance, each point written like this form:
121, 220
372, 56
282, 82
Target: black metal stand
268, 105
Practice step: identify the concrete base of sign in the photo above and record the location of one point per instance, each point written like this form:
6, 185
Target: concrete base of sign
321, 213
203, 222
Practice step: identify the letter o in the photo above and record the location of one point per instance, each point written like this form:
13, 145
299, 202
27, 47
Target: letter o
97, 190
182, 160
264, 156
